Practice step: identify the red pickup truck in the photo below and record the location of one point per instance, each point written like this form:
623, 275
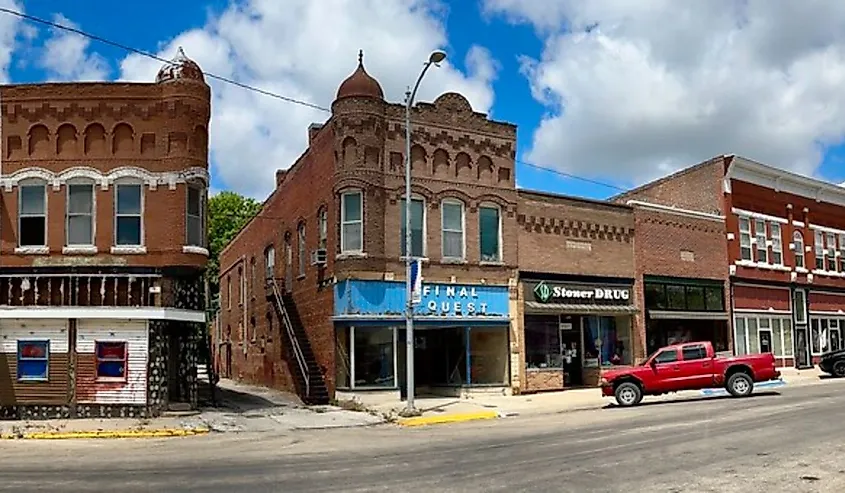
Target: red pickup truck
689, 366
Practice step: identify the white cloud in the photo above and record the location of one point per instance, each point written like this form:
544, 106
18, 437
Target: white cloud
637, 89
304, 49
9, 29
65, 55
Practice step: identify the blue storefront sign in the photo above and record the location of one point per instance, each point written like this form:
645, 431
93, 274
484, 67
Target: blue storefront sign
385, 300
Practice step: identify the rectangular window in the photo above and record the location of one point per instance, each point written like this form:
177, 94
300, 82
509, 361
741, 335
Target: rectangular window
351, 219
323, 228
842, 253
692, 353
695, 299
32, 216
830, 251
815, 336
799, 307
33, 361
373, 357
111, 360
269, 262
489, 225
798, 242
229, 292
80, 214
777, 244
753, 341
128, 213
760, 237
739, 337
417, 227
453, 230
676, 297
715, 299
194, 217
241, 287
819, 249
745, 238
300, 232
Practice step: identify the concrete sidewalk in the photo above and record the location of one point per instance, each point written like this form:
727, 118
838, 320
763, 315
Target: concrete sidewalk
240, 408
436, 410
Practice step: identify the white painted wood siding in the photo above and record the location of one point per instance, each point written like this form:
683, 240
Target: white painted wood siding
14, 330
135, 334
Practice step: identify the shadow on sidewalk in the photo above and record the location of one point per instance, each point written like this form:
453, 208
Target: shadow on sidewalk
767, 393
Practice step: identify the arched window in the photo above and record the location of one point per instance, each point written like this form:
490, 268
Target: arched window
269, 261
798, 242
300, 234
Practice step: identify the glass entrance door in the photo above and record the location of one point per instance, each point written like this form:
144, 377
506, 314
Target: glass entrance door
802, 347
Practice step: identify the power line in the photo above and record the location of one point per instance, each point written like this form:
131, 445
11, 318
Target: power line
248, 87
130, 49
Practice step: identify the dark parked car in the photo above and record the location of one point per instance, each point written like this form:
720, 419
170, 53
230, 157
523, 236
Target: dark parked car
833, 363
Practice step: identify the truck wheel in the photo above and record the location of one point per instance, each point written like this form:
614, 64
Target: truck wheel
839, 369
740, 385
628, 394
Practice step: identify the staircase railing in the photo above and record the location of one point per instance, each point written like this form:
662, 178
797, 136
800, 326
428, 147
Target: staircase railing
297, 350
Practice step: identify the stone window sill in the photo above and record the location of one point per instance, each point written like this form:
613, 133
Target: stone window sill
197, 250
491, 263
453, 261
32, 250
350, 255
128, 250
80, 250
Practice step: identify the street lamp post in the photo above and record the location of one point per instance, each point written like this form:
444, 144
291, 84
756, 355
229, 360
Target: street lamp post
435, 58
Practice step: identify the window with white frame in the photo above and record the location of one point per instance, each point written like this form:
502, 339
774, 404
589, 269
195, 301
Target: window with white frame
799, 306
745, 239
128, 214
842, 252
229, 292
80, 214
351, 222
32, 215
194, 216
241, 287
322, 228
490, 228
269, 261
777, 243
830, 251
761, 237
301, 252
33, 361
453, 229
798, 243
418, 221
819, 249
826, 335
762, 334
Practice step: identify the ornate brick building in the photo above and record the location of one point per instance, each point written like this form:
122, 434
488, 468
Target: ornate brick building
102, 244
329, 240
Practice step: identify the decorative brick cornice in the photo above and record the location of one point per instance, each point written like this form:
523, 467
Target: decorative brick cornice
575, 228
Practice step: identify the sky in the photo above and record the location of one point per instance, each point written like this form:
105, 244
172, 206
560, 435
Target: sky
608, 94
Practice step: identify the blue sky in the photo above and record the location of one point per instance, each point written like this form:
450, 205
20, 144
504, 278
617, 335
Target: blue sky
599, 90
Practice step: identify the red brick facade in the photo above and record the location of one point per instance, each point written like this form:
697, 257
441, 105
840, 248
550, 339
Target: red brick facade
458, 156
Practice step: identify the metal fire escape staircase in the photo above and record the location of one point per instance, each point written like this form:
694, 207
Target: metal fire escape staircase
311, 385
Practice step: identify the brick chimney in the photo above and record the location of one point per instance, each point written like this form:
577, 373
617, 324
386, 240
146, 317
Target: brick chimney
280, 176
313, 130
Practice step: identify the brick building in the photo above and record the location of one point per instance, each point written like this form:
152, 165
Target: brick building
327, 315
576, 280
682, 282
101, 299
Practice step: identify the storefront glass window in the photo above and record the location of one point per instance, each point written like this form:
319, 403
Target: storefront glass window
675, 297
488, 356
655, 296
342, 355
542, 341
714, 299
695, 298
374, 357
764, 335
815, 336
614, 343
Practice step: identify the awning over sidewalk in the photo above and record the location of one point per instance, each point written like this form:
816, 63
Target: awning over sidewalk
578, 308
672, 315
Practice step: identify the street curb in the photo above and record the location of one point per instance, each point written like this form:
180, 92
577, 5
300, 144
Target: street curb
69, 435
763, 385
448, 418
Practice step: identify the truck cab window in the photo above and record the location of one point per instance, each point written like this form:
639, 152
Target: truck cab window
667, 356
692, 353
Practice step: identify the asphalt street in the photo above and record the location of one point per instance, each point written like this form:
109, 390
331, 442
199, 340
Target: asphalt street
792, 439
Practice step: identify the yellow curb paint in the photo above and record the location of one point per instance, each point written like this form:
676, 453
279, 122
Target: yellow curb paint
58, 435
448, 418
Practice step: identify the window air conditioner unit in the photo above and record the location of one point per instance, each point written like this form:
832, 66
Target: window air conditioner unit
318, 256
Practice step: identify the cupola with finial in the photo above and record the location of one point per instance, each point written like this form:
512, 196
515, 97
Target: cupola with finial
360, 84
180, 68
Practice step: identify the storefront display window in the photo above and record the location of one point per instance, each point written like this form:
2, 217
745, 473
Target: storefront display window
755, 335
364, 357
826, 335
615, 343
684, 297
542, 341
488, 354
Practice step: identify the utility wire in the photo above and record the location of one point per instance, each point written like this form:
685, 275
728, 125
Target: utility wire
130, 49
248, 87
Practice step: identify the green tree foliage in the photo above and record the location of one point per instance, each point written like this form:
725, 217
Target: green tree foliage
228, 212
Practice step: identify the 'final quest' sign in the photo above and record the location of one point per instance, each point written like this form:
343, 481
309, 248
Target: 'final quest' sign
547, 292
369, 298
